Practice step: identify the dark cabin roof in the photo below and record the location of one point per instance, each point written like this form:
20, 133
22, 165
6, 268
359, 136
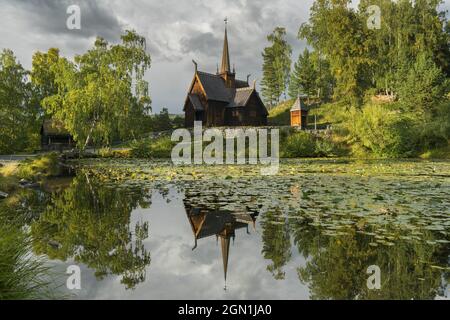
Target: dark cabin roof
242, 96
215, 89
214, 86
195, 100
52, 127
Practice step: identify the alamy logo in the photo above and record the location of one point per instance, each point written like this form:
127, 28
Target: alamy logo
374, 281
191, 151
74, 20
374, 20
74, 280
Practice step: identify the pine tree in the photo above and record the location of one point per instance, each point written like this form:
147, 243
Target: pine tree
276, 67
303, 78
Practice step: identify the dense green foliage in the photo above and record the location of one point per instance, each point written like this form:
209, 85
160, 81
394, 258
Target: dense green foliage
19, 111
276, 67
152, 148
21, 276
304, 145
362, 58
311, 76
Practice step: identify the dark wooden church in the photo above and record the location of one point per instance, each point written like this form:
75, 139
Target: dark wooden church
222, 100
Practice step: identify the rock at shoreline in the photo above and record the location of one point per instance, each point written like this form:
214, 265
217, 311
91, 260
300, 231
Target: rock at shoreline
3, 195
28, 184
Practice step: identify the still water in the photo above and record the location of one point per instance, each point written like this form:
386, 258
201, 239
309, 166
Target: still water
141, 231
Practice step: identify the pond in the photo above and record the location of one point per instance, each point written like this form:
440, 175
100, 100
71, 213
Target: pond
149, 230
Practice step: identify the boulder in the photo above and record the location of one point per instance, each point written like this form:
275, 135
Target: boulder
3, 195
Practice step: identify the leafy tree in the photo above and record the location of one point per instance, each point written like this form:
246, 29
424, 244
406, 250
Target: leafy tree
18, 113
95, 99
336, 31
276, 66
42, 73
161, 121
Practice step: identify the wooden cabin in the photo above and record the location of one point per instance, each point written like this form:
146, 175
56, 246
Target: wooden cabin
299, 114
54, 136
222, 100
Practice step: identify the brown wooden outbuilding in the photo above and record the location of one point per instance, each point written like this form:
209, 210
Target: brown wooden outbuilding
54, 136
299, 114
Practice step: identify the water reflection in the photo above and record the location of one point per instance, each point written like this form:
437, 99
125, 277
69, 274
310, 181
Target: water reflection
90, 223
221, 224
112, 228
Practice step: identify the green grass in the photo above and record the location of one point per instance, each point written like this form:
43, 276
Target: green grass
37, 168
22, 276
280, 115
438, 153
8, 180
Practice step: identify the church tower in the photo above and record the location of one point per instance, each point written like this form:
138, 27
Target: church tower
225, 70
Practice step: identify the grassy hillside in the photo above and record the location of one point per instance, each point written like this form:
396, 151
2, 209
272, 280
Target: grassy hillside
280, 114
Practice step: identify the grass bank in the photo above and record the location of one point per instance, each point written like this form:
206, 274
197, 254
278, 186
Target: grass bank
22, 275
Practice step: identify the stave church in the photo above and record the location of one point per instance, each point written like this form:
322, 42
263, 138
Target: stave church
221, 100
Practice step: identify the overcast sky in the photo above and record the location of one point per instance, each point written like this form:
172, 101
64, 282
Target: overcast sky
177, 31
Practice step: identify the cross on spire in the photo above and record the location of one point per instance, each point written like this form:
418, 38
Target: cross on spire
225, 68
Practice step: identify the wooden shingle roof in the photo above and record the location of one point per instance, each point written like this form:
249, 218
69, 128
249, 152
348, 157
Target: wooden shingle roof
54, 127
242, 96
214, 86
195, 100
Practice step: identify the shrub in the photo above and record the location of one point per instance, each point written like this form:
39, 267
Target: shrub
141, 149
325, 148
159, 148
162, 148
382, 132
300, 144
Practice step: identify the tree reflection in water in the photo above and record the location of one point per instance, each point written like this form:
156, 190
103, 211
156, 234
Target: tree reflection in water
336, 266
90, 223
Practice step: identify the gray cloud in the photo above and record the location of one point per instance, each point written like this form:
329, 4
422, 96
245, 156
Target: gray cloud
50, 16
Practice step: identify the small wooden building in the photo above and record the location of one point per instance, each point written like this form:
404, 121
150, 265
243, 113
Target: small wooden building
222, 100
54, 136
299, 114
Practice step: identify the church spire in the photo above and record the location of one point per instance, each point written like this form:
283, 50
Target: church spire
225, 244
225, 68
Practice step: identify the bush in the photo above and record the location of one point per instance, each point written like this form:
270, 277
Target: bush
325, 148
383, 132
159, 148
297, 145
162, 148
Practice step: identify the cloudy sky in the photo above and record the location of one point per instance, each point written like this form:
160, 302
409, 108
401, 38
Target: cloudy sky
177, 31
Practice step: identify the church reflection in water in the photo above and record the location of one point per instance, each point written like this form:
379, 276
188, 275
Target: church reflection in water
207, 223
